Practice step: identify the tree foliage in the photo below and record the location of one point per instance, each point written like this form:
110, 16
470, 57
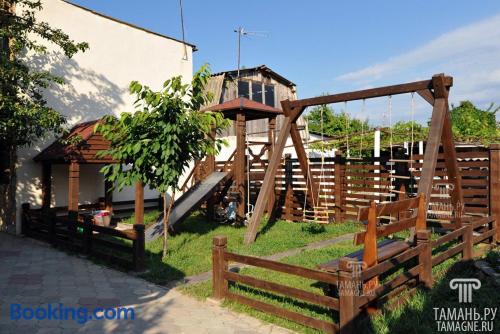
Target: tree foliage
162, 137
25, 115
472, 124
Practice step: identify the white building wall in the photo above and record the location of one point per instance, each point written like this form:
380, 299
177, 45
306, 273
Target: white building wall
96, 84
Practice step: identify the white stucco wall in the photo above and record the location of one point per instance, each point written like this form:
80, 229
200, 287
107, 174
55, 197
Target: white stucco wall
96, 84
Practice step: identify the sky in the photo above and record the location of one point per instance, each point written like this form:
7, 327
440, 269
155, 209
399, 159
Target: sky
333, 46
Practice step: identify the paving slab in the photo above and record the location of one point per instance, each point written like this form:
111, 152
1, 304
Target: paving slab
35, 275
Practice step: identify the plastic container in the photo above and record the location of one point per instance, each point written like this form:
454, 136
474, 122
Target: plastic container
102, 218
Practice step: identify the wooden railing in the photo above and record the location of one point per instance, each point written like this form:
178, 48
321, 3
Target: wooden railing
125, 248
350, 290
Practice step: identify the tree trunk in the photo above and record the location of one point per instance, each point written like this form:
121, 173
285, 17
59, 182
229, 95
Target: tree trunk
8, 158
166, 217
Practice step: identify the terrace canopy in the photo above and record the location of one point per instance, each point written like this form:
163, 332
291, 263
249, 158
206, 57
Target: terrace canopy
79, 146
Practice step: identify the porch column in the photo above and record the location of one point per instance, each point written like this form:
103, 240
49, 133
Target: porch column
271, 127
108, 195
139, 203
46, 185
239, 170
74, 189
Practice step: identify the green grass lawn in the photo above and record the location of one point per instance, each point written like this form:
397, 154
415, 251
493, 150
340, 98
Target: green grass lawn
190, 249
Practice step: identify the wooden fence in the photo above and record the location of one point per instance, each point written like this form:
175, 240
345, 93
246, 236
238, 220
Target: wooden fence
105, 243
349, 293
345, 185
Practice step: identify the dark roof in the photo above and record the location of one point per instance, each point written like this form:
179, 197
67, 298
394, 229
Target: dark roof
84, 151
261, 68
252, 109
129, 24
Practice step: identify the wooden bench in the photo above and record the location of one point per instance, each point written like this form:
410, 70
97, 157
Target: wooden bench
411, 214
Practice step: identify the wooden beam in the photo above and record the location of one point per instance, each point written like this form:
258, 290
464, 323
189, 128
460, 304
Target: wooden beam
494, 185
450, 159
271, 127
432, 148
370, 93
74, 187
312, 190
46, 185
139, 203
240, 166
268, 182
427, 95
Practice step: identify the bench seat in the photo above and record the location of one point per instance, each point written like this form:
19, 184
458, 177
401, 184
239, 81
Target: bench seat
386, 249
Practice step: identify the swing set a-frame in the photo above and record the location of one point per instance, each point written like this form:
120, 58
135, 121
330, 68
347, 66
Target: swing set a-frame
435, 91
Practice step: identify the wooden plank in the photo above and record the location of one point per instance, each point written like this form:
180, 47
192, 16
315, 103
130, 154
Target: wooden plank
321, 325
432, 149
389, 286
447, 254
282, 267
288, 291
448, 237
485, 235
366, 94
391, 263
390, 208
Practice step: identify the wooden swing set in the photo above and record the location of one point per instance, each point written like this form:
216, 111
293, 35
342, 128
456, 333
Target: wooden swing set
435, 91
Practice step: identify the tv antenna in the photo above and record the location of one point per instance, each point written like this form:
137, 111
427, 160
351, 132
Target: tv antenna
242, 32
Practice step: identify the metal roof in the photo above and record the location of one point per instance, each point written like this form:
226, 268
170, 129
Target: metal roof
261, 68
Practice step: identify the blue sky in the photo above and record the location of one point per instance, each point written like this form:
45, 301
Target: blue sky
333, 46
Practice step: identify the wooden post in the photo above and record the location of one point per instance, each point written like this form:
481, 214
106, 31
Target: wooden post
139, 203
51, 221
338, 185
270, 138
370, 254
219, 266
46, 185
240, 167
425, 258
25, 222
494, 185
87, 234
74, 190
139, 248
468, 240
288, 186
350, 287
108, 195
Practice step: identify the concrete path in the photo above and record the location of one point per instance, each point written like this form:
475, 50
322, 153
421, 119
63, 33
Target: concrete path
275, 257
35, 275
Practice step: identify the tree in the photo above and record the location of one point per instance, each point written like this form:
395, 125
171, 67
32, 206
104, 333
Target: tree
472, 124
25, 116
162, 137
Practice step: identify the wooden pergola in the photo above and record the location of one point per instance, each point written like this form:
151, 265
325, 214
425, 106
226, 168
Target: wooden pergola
241, 110
79, 146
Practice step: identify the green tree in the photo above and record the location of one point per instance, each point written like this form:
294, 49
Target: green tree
162, 137
472, 124
25, 116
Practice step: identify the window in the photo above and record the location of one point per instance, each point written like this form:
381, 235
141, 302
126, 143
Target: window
257, 91
244, 89
269, 94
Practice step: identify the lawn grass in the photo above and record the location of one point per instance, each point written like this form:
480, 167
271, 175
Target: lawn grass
190, 248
